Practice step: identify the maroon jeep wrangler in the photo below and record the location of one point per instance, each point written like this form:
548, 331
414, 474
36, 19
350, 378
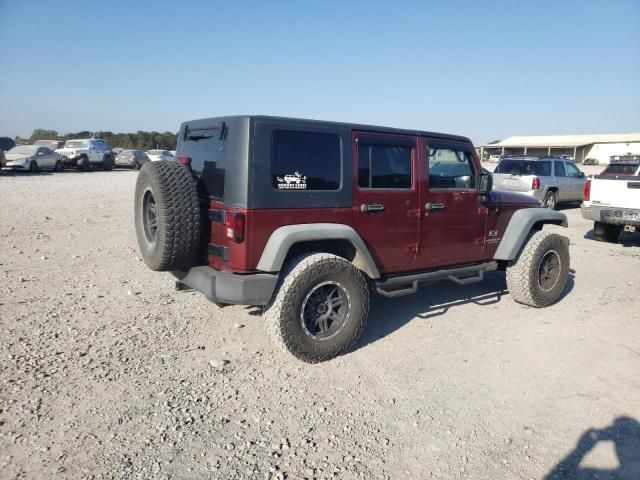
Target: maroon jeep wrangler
307, 217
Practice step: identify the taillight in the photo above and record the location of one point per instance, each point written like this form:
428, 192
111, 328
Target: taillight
235, 227
183, 160
586, 193
535, 184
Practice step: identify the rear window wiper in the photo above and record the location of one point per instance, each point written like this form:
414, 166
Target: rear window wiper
206, 132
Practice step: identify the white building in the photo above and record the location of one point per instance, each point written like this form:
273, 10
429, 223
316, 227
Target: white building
580, 147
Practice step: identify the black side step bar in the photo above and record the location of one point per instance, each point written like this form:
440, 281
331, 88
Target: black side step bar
408, 284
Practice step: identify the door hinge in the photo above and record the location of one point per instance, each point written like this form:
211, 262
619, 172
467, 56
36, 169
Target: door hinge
413, 248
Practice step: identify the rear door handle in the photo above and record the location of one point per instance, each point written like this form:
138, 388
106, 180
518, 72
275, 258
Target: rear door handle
434, 206
372, 207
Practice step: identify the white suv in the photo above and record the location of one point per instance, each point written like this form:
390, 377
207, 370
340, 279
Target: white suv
82, 153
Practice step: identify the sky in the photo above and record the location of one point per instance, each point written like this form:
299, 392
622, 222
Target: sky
486, 70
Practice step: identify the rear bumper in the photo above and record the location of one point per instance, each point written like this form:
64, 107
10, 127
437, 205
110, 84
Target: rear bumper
612, 215
224, 287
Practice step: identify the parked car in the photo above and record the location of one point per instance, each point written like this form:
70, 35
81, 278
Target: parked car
84, 153
132, 159
33, 158
3, 159
612, 202
550, 180
52, 144
158, 155
495, 158
304, 216
591, 161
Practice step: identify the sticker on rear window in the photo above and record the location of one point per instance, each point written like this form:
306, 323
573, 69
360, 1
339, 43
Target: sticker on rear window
295, 181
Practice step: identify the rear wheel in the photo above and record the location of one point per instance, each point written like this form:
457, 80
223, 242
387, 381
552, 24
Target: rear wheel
58, 167
538, 275
550, 200
167, 216
605, 232
320, 307
136, 165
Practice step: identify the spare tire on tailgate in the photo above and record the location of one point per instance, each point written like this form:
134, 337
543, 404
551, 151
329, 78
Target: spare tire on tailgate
167, 216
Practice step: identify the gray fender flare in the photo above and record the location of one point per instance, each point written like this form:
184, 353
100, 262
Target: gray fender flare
281, 240
520, 225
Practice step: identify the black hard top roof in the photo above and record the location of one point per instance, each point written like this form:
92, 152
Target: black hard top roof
354, 126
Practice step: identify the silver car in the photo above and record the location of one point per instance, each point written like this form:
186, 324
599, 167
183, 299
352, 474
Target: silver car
131, 158
33, 158
551, 180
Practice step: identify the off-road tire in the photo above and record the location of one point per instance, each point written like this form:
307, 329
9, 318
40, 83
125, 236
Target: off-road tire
33, 166
605, 232
177, 235
523, 274
83, 164
299, 277
58, 167
107, 163
550, 200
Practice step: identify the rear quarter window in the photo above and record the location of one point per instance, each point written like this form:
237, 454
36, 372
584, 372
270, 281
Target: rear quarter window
305, 161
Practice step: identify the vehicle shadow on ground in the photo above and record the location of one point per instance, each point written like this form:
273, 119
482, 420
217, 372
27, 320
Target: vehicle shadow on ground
390, 314
625, 435
17, 173
626, 239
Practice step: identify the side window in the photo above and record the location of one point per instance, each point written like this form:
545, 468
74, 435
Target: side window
384, 166
560, 171
305, 161
572, 170
451, 169
544, 169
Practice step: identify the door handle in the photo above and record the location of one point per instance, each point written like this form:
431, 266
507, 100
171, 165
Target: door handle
372, 207
434, 206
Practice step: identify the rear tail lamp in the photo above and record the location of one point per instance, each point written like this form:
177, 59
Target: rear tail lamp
183, 160
235, 226
535, 183
586, 193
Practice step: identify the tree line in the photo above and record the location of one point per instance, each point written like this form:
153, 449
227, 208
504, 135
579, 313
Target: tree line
136, 141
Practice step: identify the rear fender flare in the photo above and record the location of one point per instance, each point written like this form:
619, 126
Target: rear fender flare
283, 238
520, 225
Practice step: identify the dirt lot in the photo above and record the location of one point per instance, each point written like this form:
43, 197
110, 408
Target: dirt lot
107, 372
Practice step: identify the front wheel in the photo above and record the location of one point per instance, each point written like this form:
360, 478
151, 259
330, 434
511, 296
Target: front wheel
33, 166
550, 200
538, 275
605, 232
58, 167
320, 307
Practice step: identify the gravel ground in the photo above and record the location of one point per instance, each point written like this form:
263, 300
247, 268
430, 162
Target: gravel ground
107, 372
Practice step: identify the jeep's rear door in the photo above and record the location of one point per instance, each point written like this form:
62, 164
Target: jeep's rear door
385, 197
453, 224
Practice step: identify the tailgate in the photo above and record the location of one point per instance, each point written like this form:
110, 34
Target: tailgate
621, 192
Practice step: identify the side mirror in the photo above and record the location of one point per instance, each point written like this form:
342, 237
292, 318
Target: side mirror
581, 174
485, 184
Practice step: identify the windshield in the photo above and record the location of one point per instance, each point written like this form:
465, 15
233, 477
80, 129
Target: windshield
24, 149
127, 152
75, 144
524, 167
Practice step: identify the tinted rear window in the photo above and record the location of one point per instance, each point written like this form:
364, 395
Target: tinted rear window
621, 169
305, 161
525, 167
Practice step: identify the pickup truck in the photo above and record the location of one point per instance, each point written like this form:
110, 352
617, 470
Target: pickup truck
612, 200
